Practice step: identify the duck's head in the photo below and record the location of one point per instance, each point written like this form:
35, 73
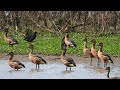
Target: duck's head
31, 47
67, 35
93, 41
84, 39
107, 68
10, 53
36, 32
100, 44
6, 29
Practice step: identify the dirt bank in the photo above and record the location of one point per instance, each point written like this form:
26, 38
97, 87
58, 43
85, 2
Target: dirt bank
52, 58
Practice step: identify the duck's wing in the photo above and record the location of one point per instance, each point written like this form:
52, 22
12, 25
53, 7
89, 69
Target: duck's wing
70, 60
109, 58
41, 59
19, 63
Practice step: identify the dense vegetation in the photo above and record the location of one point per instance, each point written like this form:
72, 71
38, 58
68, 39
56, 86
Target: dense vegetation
51, 25
48, 44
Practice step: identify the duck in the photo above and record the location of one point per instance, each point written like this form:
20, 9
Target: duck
103, 56
30, 37
94, 51
108, 68
34, 58
16, 65
9, 40
67, 61
86, 50
68, 41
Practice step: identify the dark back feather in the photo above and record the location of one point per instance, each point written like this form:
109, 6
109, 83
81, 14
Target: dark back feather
70, 60
14, 40
42, 59
73, 43
30, 37
108, 57
19, 63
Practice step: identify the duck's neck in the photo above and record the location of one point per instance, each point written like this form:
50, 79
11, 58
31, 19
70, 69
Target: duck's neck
6, 34
101, 48
108, 73
34, 34
11, 57
30, 53
93, 45
63, 53
66, 38
85, 44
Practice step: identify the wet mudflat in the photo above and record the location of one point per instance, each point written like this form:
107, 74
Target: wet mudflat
56, 70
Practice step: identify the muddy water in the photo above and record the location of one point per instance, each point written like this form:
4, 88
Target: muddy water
56, 70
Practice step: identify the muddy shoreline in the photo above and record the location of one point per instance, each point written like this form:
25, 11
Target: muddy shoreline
52, 58
56, 70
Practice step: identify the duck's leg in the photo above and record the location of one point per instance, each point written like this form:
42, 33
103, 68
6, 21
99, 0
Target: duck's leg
36, 66
98, 64
105, 64
66, 68
70, 68
91, 61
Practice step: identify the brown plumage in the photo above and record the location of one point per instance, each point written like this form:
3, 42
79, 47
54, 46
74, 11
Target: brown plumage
9, 40
94, 51
86, 50
67, 61
102, 56
68, 42
35, 59
14, 63
108, 68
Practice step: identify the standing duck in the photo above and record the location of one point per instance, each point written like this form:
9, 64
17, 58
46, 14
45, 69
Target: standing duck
94, 51
34, 58
67, 61
14, 63
86, 50
102, 56
69, 42
10, 40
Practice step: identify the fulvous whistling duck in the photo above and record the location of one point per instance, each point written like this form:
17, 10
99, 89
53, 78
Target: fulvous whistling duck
67, 61
86, 50
35, 59
102, 56
14, 63
30, 37
69, 42
94, 51
108, 68
10, 40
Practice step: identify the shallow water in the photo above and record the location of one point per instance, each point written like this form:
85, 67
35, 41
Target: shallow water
54, 70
